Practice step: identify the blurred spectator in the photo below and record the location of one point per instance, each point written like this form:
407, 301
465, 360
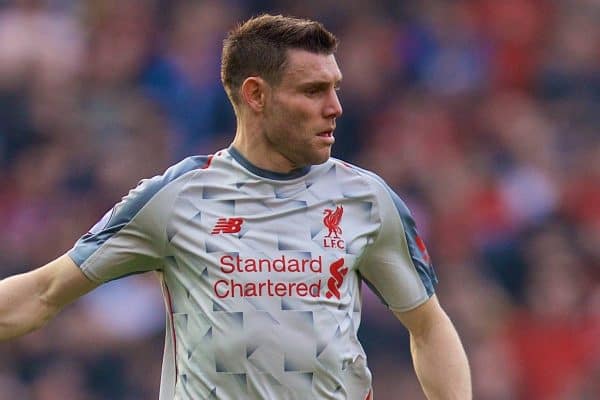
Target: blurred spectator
40, 51
555, 337
184, 77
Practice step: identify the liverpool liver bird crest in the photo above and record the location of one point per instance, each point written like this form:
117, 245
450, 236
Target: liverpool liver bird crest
332, 221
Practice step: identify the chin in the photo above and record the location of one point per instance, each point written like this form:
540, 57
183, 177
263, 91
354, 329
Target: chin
314, 157
320, 158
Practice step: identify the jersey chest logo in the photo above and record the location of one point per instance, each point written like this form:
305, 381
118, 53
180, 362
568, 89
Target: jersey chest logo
227, 225
332, 221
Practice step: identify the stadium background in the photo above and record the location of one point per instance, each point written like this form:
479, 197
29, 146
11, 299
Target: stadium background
483, 114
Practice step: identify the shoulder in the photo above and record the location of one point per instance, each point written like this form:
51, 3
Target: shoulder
183, 168
377, 184
170, 180
187, 165
349, 168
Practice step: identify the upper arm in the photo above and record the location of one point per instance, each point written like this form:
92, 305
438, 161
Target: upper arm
29, 300
60, 282
423, 318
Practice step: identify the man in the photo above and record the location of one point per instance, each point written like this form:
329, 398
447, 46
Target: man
261, 248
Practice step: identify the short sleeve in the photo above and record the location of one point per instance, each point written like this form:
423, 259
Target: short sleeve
397, 266
131, 237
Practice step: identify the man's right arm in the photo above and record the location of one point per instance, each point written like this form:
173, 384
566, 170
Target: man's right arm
29, 300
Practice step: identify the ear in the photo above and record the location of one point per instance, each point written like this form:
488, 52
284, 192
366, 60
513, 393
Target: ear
253, 92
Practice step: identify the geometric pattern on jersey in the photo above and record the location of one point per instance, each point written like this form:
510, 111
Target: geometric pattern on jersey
261, 273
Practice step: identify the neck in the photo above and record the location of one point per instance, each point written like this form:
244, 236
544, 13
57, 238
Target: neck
254, 146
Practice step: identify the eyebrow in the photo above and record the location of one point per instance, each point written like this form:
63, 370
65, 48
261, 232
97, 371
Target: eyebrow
320, 83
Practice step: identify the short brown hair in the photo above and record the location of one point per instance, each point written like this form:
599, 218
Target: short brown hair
258, 48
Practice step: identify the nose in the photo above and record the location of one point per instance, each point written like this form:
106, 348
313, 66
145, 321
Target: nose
333, 107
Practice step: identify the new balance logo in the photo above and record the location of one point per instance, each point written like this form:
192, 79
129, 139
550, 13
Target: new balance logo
228, 225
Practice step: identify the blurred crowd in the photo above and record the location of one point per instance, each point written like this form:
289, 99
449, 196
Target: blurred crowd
484, 116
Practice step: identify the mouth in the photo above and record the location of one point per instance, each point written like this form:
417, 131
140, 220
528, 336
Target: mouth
326, 133
327, 136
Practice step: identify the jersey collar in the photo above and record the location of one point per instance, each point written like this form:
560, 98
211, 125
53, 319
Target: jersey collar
279, 176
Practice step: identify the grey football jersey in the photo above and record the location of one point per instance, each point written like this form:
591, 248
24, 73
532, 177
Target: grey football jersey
261, 273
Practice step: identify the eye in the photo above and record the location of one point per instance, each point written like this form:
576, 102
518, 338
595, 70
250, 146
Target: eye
312, 90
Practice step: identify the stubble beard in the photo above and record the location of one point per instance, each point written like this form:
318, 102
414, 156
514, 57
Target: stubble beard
295, 145
300, 153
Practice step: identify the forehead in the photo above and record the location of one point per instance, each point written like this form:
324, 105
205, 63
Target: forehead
303, 66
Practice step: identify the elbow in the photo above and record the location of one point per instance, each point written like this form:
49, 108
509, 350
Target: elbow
43, 312
14, 325
42, 320
46, 312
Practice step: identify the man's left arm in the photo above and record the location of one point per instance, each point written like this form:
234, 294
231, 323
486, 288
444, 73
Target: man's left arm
439, 358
